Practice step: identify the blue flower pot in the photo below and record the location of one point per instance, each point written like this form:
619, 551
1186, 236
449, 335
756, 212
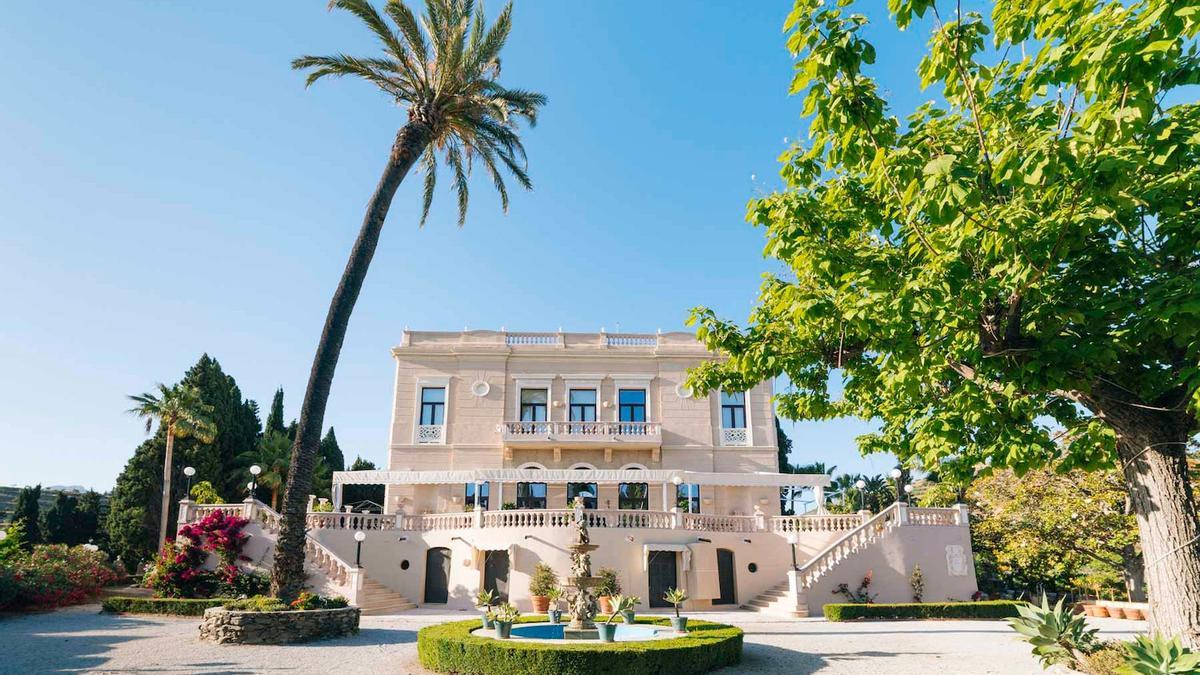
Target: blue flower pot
628, 616
555, 616
679, 623
608, 631
487, 621
503, 630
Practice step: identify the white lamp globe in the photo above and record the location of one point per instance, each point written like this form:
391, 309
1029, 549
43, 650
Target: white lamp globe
360, 535
896, 473
676, 480
908, 488
250, 485
189, 471
860, 484
255, 470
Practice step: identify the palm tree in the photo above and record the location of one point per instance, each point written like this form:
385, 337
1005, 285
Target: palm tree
443, 69
181, 411
273, 455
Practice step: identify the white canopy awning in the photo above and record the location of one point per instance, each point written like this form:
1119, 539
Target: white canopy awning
608, 476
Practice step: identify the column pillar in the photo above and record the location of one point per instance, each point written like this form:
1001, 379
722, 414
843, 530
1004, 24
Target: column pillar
499, 503
666, 496
819, 496
962, 517
337, 497
185, 513
901, 513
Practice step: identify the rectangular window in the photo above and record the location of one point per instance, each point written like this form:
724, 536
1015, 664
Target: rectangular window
533, 405
633, 496
433, 406
733, 410
481, 498
688, 498
531, 495
585, 490
583, 405
631, 405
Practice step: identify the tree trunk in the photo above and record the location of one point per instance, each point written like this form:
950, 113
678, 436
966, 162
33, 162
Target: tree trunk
287, 577
1134, 572
1153, 461
166, 493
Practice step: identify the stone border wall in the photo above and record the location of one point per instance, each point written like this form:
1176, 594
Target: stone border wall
276, 628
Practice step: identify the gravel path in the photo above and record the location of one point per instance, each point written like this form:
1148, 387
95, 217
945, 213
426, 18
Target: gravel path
80, 639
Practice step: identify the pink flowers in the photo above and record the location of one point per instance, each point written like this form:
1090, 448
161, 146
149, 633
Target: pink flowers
179, 570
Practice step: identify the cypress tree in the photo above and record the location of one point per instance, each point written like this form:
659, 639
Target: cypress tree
26, 510
59, 520
86, 525
334, 460
275, 417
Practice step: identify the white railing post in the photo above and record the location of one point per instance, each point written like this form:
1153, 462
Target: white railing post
676, 518
901, 513
248, 508
185, 515
962, 515
795, 592
354, 582
760, 519
478, 514
311, 499
865, 515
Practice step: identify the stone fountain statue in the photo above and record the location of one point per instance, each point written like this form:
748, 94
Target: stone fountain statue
581, 602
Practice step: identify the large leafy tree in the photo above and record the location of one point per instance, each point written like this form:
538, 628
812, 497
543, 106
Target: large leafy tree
443, 70
1014, 264
181, 412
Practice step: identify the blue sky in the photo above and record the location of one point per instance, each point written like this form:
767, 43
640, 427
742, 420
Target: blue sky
170, 188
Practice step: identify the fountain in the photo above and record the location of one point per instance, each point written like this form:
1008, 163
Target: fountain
581, 601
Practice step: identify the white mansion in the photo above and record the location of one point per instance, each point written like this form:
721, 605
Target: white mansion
493, 434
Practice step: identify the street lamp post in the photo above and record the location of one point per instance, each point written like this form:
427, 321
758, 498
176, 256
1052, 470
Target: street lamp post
359, 536
908, 488
254, 471
189, 471
862, 495
896, 474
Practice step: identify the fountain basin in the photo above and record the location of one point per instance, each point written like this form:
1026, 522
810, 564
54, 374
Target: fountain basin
554, 631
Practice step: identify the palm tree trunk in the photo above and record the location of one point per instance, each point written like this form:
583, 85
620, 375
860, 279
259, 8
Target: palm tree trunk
166, 493
287, 577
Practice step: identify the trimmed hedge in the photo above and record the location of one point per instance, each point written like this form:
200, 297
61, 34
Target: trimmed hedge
987, 609
175, 606
450, 648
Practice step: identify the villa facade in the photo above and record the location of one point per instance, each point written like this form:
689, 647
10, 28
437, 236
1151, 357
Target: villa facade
494, 434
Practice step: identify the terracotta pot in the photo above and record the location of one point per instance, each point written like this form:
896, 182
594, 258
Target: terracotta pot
605, 604
1116, 612
541, 603
1099, 610
1135, 613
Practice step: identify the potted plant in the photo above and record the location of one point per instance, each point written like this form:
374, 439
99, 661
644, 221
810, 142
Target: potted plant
504, 616
554, 595
628, 613
608, 629
484, 600
610, 585
543, 580
677, 596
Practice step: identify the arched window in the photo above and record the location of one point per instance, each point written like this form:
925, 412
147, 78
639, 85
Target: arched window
586, 490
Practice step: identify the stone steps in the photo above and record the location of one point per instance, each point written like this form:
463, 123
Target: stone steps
379, 599
776, 600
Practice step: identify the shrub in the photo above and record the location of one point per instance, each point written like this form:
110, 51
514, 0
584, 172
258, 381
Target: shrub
989, 609
862, 595
451, 648
917, 581
1157, 654
174, 606
52, 576
610, 583
1107, 659
204, 493
307, 600
543, 580
179, 572
258, 603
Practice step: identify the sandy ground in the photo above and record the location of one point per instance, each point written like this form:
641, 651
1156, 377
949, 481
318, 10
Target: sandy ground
80, 639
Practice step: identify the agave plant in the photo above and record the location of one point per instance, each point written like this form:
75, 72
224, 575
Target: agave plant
1159, 655
620, 604
485, 598
1058, 635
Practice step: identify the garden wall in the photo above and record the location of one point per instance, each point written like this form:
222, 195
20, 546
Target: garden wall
274, 628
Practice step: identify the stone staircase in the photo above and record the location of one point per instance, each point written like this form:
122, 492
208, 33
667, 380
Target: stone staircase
778, 599
327, 573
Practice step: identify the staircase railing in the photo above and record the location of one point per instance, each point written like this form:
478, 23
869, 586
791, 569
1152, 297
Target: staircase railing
847, 545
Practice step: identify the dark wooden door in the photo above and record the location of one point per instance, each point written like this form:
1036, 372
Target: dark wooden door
437, 575
662, 576
495, 573
727, 577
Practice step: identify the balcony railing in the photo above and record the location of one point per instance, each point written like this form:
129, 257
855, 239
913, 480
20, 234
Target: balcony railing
735, 437
431, 433
580, 431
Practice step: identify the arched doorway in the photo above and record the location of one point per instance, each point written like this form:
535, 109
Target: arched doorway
437, 575
726, 576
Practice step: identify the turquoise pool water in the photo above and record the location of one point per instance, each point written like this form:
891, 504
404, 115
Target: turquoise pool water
551, 631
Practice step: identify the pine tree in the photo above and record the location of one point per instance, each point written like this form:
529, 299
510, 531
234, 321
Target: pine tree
86, 525
26, 510
133, 508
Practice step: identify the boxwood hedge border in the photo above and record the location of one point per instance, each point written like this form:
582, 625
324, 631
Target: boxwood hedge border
171, 606
986, 609
450, 648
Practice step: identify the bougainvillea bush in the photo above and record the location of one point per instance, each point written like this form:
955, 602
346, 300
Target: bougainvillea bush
52, 576
180, 570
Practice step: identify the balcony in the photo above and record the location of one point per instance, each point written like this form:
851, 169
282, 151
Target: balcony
581, 434
735, 437
431, 433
